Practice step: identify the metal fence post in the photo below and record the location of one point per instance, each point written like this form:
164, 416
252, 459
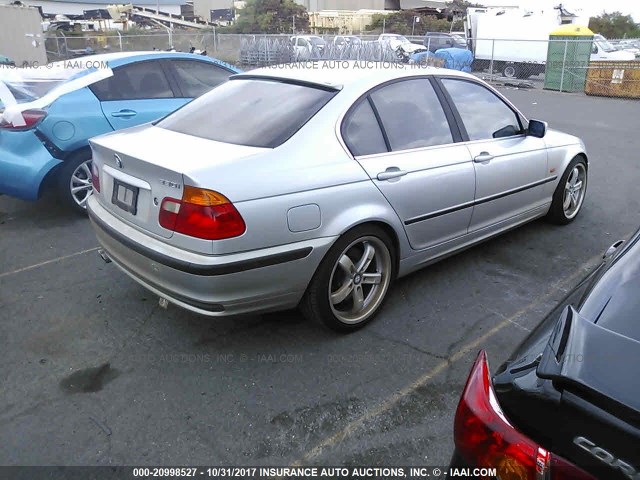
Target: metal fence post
66, 47
564, 61
493, 48
119, 39
429, 43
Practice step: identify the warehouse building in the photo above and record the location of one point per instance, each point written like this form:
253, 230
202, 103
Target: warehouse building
21, 35
77, 7
203, 8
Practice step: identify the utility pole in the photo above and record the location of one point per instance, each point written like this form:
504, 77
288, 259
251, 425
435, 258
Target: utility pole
294, 25
416, 19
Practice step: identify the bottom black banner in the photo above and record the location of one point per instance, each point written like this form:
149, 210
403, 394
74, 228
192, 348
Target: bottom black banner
255, 473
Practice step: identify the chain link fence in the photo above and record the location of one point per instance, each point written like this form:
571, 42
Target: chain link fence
565, 65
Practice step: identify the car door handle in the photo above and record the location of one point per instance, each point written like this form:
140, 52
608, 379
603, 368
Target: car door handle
124, 114
391, 173
484, 157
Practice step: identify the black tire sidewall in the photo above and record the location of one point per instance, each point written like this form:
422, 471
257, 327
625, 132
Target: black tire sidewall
316, 302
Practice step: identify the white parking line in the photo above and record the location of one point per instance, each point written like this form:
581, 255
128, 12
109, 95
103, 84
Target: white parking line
393, 399
54, 260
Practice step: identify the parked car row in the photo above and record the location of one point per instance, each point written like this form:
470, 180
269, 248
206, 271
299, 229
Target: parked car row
312, 46
631, 45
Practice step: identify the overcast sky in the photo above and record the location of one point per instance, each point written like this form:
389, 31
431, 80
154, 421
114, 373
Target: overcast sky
590, 7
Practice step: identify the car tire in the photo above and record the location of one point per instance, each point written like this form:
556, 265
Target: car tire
570, 193
352, 281
74, 182
510, 70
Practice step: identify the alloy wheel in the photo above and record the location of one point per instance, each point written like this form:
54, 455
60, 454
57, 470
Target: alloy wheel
574, 191
360, 279
80, 184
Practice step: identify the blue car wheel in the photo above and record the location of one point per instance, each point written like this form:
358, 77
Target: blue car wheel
74, 182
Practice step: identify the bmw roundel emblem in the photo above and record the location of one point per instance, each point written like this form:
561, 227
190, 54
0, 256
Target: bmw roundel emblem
118, 160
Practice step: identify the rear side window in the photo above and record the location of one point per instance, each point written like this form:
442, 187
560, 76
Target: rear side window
136, 81
412, 115
361, 131
252, 112
196, 78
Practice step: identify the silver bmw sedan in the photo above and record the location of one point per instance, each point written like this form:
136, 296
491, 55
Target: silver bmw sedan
317, 187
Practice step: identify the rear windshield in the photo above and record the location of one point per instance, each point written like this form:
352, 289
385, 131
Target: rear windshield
251, 112
27, 91
614, 302
28, 84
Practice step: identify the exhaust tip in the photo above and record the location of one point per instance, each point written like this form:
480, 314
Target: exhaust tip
104, 255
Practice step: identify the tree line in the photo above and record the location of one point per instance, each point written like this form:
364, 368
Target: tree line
286, 17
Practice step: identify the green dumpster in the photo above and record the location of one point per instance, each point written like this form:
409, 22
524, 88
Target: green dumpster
568, 58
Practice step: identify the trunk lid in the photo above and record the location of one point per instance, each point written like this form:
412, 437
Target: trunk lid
155, 164
593, 369
573, 386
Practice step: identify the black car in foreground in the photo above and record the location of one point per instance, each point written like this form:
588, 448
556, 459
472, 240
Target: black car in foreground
566, 404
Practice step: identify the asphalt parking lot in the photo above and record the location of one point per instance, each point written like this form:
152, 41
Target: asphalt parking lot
93, 372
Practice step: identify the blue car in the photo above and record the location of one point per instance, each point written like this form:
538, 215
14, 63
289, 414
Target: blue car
48, 114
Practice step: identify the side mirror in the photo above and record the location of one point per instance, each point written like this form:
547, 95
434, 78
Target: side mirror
594, 49
612, 249
537, 128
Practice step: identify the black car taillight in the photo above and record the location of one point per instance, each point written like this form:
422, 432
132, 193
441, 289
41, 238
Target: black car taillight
485, 438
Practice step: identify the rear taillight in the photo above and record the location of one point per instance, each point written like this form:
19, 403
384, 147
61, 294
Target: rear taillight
202, 214
95, 177
30, 118
485, 438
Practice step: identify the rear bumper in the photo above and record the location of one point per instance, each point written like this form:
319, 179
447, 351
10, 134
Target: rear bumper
24, 163
212, 285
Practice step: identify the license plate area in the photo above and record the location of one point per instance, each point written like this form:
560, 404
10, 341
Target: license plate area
125, 196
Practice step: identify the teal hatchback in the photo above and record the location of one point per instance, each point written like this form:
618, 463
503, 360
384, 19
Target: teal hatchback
49, 113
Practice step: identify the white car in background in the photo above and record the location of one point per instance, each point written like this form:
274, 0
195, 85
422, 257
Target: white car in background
632, 46
393, 41
307, 46
346, 40
602, 49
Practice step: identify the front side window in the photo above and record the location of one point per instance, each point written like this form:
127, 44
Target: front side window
483, 113
136, 81
411, 115
252, 112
